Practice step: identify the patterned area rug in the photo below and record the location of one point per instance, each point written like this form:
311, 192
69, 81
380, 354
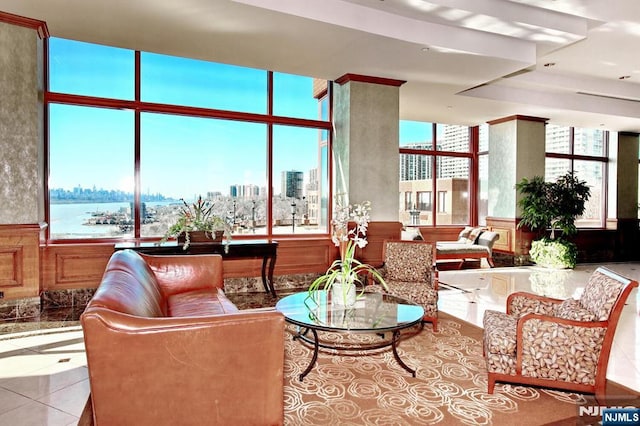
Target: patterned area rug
370, 388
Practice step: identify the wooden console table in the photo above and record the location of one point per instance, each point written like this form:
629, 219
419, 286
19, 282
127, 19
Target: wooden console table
238, 249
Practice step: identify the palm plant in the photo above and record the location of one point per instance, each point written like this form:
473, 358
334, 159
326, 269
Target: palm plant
555, 206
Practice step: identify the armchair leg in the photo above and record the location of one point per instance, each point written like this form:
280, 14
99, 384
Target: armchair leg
491, 383
600, 394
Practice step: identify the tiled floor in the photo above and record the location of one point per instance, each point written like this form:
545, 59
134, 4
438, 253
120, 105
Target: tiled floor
43, 377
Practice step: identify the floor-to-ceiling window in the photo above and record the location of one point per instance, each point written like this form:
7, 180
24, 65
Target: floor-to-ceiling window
132, 134
583, 152
435, 174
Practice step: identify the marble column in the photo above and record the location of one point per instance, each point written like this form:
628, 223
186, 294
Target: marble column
365, 144
516, 150
21, 164
622, 213
21, 126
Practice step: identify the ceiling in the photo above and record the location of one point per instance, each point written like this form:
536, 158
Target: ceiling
464, 61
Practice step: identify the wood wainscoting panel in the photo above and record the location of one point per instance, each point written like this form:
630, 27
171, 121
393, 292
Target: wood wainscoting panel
69, 266
20, 260
512, 240
377, 233
432, 235
505, 241
72, 266
11, 261
295, 256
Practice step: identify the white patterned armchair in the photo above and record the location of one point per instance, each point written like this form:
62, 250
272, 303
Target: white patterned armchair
556, 343
410, 273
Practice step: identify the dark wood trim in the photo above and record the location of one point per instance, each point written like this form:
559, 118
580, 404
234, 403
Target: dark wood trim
39, 26
518, 117
474, 174
23, 226
347, 78
575, 157
45, 136
53, 97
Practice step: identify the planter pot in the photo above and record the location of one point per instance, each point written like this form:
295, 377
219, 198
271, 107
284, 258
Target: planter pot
343, 294
555, 254
202, 237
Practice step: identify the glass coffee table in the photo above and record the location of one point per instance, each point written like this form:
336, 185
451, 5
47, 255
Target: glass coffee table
372, 313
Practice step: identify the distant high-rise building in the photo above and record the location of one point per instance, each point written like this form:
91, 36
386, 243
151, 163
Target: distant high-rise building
246, 191
414, 166
312, 202
292, 184
419, 166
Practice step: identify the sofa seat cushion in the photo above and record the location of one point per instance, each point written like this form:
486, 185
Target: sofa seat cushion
202, 302
443, 247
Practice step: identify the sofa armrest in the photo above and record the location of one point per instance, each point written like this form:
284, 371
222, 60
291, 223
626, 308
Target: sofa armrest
225, 369
181, 273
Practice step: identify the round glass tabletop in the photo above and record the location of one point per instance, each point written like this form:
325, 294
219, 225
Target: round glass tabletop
372, 312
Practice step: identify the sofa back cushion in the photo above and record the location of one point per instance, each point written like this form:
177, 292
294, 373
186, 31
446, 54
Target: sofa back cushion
463, 236
470, 234
129, 286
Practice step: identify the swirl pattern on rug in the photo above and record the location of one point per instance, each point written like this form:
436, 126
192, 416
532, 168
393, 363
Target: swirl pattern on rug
371, 388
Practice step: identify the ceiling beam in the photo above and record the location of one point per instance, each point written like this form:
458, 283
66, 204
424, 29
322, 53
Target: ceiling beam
374, 21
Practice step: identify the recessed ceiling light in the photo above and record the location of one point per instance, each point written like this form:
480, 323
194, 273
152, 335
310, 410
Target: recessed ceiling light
624, 77
425, 49
550, 64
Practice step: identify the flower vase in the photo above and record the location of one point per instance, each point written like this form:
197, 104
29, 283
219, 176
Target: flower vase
343, 294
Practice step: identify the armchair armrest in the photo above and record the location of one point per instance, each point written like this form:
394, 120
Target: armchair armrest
179, 273
560, 349
522, 302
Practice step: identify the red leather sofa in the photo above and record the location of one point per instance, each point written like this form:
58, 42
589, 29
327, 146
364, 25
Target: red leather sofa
165, 346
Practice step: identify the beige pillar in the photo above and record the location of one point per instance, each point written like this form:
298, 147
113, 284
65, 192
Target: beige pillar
21, 131
622, 193
516, 150
623, 172
21, 164
365, 143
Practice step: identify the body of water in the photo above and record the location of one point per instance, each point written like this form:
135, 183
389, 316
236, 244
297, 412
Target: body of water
69, 220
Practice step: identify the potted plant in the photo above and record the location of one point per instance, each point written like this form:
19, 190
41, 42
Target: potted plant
347, 273
554, 205
198, 218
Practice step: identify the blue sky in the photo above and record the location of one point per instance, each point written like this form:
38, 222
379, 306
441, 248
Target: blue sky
94, 147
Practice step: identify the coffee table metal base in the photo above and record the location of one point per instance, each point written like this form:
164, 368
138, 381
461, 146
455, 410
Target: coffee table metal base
302, 335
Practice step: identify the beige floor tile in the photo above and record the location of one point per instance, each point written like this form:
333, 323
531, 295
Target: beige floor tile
20, 362
45, 381
11, 400
71, 399
36, 414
